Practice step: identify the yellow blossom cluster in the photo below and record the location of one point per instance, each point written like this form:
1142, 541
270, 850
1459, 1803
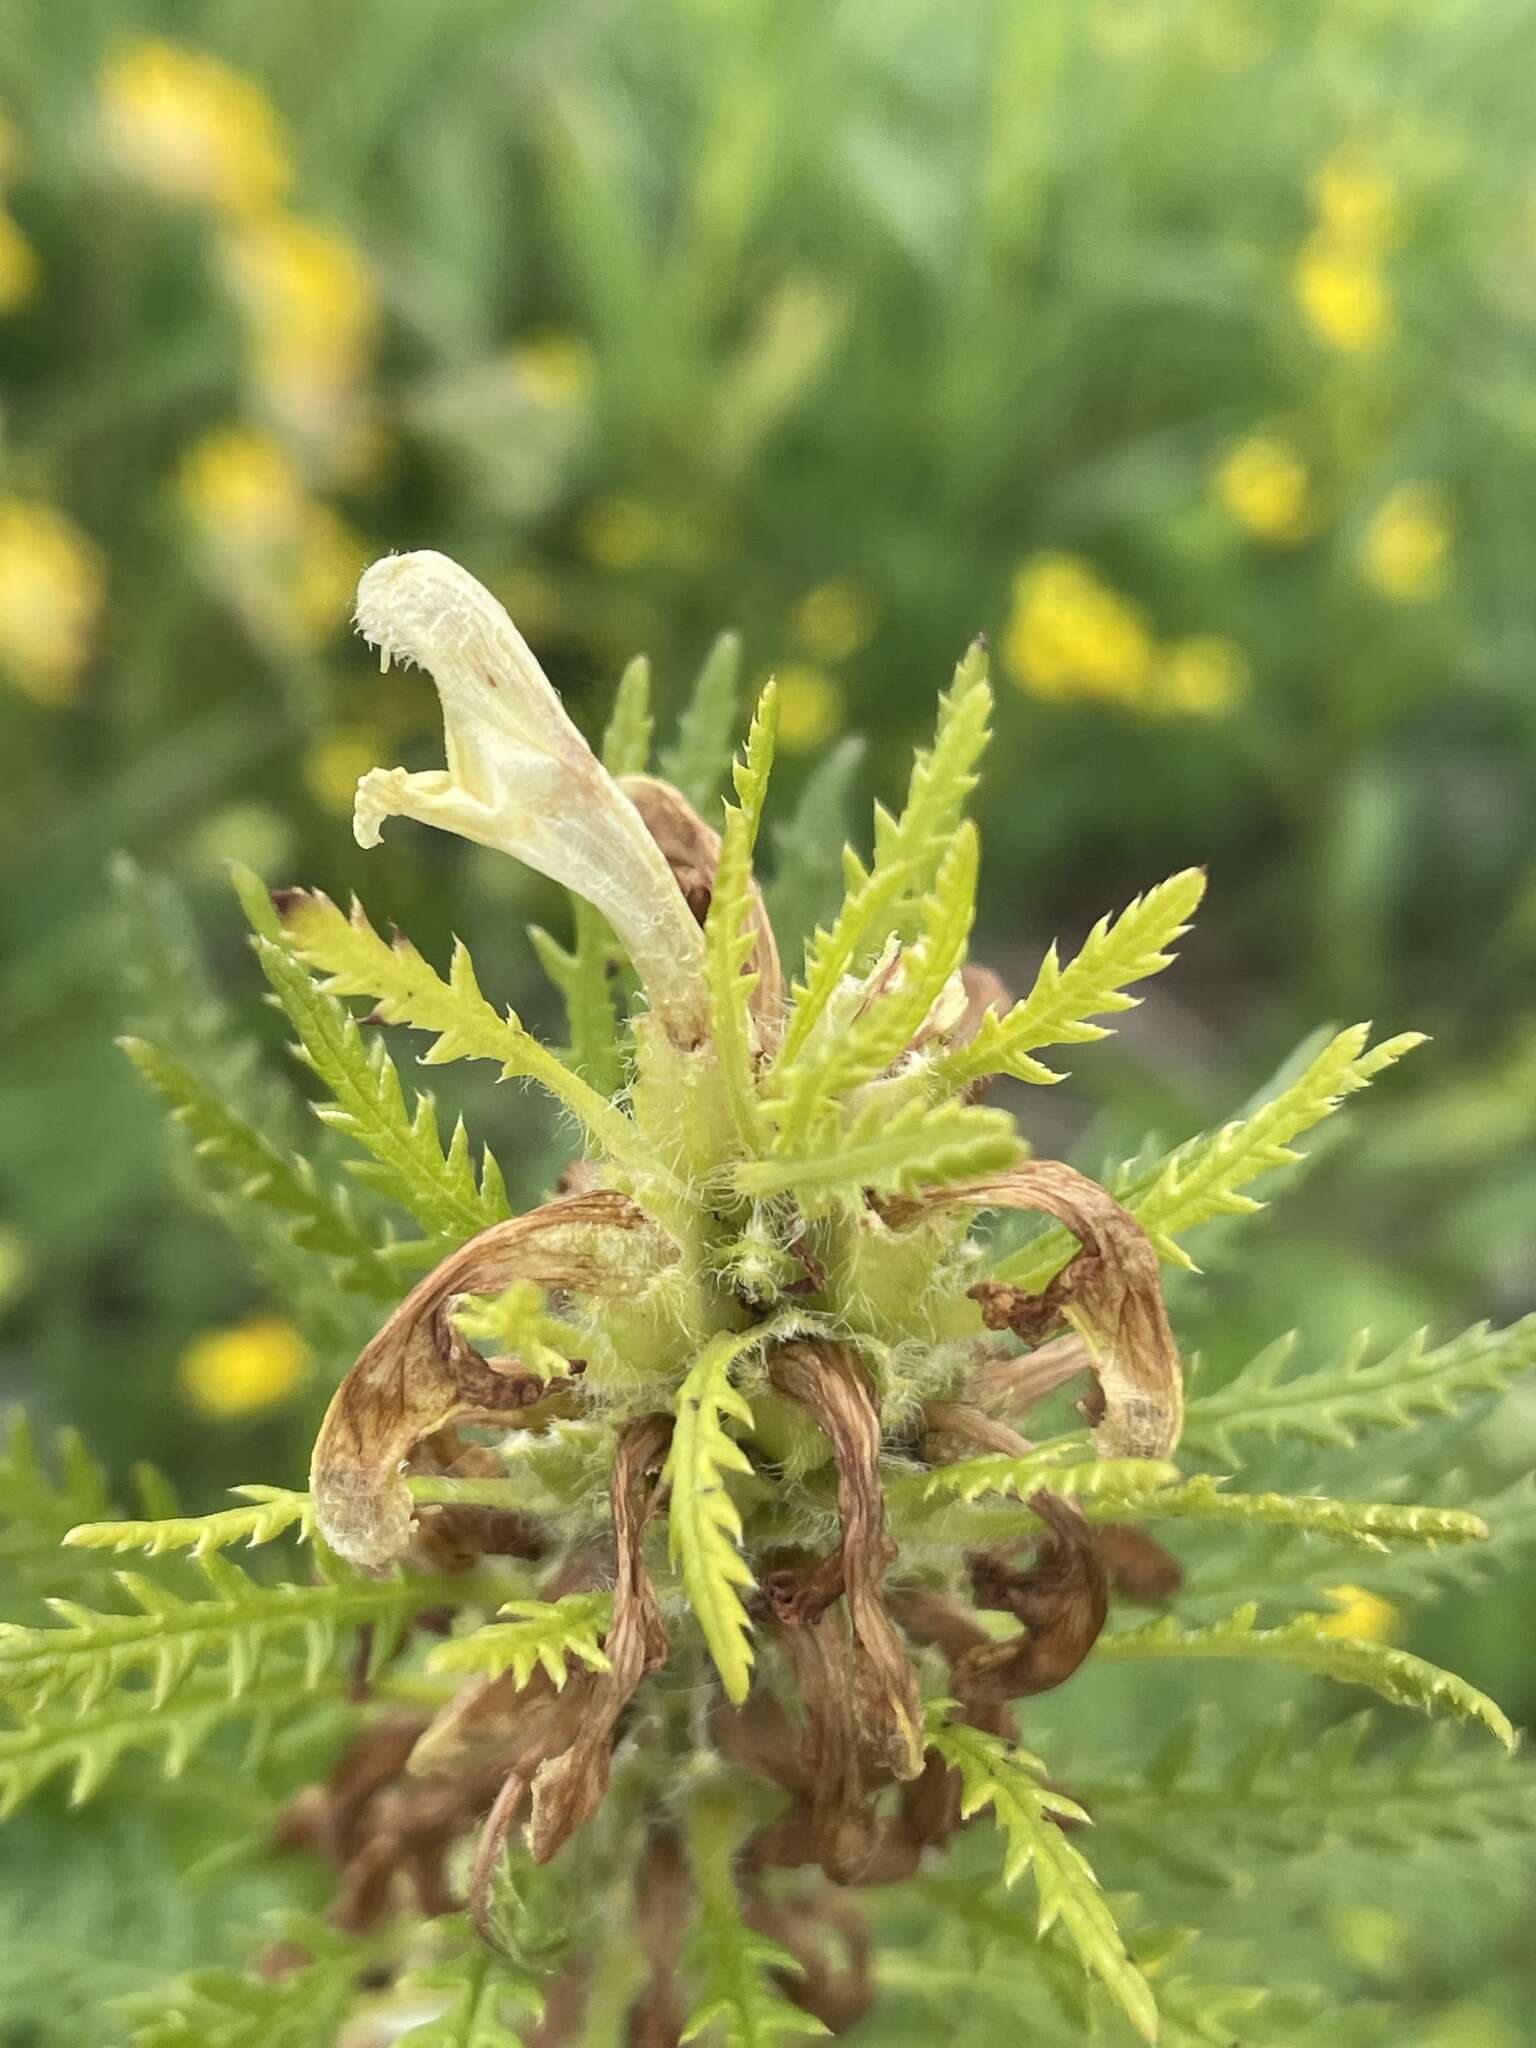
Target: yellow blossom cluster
1265, 483
287, 559
239, 1370
831, 622
1340, 278
20, 272
51, 585
185, 125
1071, 635
1406, 547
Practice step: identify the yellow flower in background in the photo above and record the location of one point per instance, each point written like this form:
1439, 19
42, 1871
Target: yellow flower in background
619, 532
1356, 200
553, 368
241, 482
1202, 676
1264, 482
311, 312
810, 708
836, 619
1070, 635
20, 271
189, 127
240, 1370
1362, 1616
1405, 551
337, 761
51, 586
289, 561
1344, 297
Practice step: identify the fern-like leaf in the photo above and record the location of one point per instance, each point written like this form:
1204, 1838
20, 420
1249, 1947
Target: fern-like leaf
1336, 1404
994, 1773
1058, 1008
1273, 1795
891, 1152
729, 933
307, 2007
167, 1635
704, 1524
807, 847
242, 1161
89, 1742
492, 2002
406, 989
738, 2004
409, 1165
1405, 1680
1121, 1483
697, 763
273, 1512
848, 1051
1206, 1177
539, 1632
907, 853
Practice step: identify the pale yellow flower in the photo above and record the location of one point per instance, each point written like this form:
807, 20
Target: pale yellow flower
836, 619
1406, 548
1362, 1616
237, 1371
1202, 676
51, 586
1344, 297
554, 369
187, 126
619, 532
20, 271
810, 708
1071, 635
1264, 482
1356, 201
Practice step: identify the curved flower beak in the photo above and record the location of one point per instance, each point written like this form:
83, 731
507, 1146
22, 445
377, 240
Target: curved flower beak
520, 777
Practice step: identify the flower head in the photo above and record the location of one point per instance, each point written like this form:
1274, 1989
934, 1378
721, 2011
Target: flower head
520, 778
241, 1370
1263, 481
190, 128
50, 594
1407, 545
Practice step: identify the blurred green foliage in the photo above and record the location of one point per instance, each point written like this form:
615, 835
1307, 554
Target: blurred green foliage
1181, 345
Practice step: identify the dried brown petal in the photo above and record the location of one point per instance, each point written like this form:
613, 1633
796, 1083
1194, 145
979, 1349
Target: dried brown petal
569, 1787
1062, 1600
1111, 1294
827, 1381
1014, 1384
826, 1668
954, 1429
1136, 1564
839, 1996
418, 1375
692, 851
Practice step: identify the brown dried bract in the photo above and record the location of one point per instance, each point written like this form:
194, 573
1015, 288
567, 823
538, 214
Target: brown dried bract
419, 1375
569, 1788
1061, 1599
1111, 1293
827, 1381
1137, 1565
692, 851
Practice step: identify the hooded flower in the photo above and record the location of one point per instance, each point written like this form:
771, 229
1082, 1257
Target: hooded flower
520, 777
